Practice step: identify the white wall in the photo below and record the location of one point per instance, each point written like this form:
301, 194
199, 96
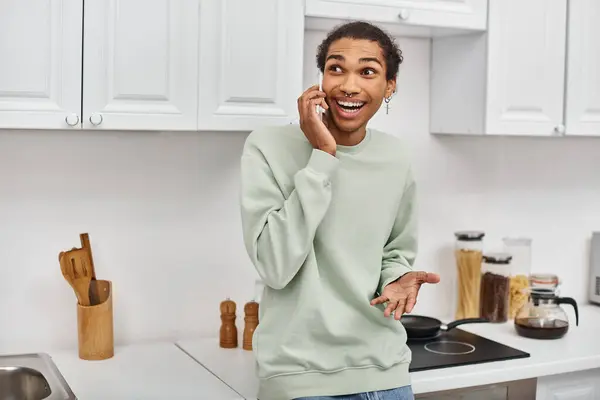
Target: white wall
162, 213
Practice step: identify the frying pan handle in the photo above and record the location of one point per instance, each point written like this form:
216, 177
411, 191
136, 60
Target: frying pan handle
458, 322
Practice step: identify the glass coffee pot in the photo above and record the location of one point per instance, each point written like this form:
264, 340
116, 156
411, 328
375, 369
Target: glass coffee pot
542, 317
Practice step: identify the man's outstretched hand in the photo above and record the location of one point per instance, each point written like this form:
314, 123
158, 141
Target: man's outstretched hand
401, 295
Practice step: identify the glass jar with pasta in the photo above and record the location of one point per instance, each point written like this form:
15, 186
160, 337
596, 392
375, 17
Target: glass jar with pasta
520, 250
468, 255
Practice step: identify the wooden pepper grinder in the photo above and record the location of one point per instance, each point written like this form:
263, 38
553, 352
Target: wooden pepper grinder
251, 322
228, 333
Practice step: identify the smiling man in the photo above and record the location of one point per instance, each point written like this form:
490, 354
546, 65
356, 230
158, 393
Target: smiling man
329, 222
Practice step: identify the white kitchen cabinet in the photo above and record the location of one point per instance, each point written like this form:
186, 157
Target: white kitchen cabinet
250, 63
158, 65
508, 81
583, 69
582, 385
40, 64
524, 389
526, 67
140, 64
402, 16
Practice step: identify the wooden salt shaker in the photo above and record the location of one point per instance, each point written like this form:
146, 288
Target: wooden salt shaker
228, 333
251, 322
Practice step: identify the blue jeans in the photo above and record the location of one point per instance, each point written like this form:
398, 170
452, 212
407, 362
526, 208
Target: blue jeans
401, 393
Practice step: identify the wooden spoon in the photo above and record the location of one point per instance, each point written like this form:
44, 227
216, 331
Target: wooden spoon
76, 268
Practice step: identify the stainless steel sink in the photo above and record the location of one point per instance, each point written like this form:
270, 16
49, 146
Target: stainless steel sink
32, 377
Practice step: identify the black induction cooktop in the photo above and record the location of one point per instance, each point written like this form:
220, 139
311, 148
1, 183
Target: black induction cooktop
457, 347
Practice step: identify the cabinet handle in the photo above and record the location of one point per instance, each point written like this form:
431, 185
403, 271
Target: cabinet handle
72, 119
96, 119
560, 129
404, 14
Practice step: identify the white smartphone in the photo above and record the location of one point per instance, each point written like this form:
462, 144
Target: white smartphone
320, 110
320, 77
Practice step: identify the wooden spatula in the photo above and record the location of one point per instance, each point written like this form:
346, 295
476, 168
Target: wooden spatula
85, 244
76, 268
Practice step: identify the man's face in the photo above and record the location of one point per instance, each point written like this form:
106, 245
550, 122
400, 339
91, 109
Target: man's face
354, 80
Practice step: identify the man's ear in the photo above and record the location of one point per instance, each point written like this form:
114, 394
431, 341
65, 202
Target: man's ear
390, 87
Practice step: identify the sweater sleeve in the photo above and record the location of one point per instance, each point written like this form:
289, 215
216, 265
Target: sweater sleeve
400, 251
278, 232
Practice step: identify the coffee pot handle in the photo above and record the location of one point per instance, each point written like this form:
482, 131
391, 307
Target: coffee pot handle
568, 300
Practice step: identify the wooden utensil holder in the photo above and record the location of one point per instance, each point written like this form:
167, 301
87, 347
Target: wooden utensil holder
95, 324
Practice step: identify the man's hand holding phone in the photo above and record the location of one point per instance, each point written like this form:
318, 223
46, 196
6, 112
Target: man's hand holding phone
311, 122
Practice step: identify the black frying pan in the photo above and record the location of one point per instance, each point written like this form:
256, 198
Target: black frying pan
420, 327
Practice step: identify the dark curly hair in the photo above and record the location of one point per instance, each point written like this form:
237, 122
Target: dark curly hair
364, 30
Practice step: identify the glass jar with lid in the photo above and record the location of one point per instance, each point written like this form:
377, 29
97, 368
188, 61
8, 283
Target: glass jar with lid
468, 254
520, 250
495, 287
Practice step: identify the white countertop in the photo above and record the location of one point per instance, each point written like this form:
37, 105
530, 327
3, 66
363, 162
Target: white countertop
578, 350
142, 371
234, 366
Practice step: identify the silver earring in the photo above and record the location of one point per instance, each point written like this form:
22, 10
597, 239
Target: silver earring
387, 104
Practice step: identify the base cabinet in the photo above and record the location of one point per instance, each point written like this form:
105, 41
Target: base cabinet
514, 390
581, 385
584, 385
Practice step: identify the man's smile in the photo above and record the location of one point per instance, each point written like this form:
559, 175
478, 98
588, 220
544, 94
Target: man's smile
348, 108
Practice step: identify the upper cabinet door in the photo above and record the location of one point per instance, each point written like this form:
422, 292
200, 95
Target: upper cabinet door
464, 14
526, 67
40, 64
140, 64
250, 63
583, 79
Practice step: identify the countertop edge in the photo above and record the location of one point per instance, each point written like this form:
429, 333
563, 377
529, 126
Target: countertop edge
458, 378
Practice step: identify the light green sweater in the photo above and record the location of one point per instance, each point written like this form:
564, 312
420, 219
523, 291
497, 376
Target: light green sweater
325, 234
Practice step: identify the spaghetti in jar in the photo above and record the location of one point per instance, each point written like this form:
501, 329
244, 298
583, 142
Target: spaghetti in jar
468, 254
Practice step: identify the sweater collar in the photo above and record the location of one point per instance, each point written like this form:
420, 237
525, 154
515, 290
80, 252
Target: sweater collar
357, 147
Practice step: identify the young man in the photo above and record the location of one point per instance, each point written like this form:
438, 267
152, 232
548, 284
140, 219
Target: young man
329, 221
